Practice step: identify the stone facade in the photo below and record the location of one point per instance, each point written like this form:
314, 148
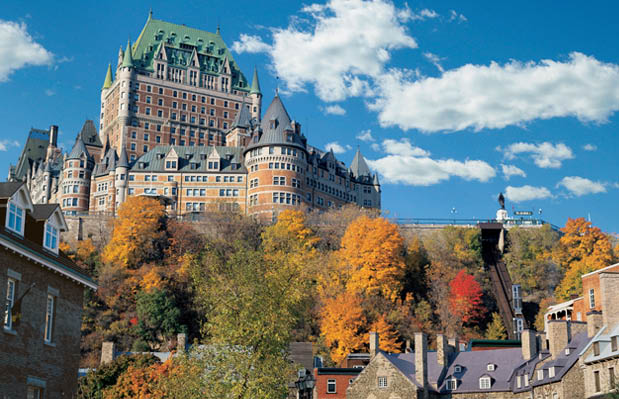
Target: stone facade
366, 385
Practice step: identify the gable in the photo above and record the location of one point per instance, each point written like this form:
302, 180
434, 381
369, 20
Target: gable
366, 383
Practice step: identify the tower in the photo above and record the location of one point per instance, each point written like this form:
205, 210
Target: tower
275, 160
256, 97
122, 173
78, 165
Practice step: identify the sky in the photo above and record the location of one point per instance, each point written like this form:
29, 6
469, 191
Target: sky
450, 102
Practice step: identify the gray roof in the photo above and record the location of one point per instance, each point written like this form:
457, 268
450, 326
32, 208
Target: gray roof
7, 189
473, 363
43, 211
89, 134
79, 149
154, 160
123, 161
359, 167
34, 151
243, 118
603, 337
274, 123
107, 163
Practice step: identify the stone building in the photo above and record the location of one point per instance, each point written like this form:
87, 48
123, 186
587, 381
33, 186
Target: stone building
43, 292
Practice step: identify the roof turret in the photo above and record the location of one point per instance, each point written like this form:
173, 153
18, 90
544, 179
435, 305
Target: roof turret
128, 58
242, 118
276, 127
79, 148
255, 83
108, 78
359, 167
376, 182
123, 161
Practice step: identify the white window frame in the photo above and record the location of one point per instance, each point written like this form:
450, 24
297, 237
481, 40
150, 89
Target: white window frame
382, 382
331, 383
457, 369
526, 380
11, 287
50, 239
519, 381
540, 374
452, 384
490, 367
50, 305
17, 213
551, 372
485, 383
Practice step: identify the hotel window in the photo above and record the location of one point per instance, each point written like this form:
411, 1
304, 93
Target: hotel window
51, 238
15, 218
174, 93
591, 298
133, 146
160, 113
49, 318
145, 148
484, 383
160, 102
331, 387
382, 382
10, 299
452, 384
519, 382
526, 380
134, 135
146, 137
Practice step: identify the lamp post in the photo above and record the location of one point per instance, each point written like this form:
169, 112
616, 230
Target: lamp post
305, 385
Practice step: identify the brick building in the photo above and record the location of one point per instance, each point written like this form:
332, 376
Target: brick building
332, 382
43, 293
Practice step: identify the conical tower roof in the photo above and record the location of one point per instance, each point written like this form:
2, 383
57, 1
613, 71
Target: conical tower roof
123, 161
79, 148
358, 166
242, 118
108, 78
255, 83
128, 59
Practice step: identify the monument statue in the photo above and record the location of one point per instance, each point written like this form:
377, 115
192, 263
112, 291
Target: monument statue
501, 200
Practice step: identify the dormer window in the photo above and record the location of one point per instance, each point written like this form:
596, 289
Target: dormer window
213, 165
567, 351
452, 384
490, 367
485, 383
551, 372
540, 375
15, 219
596, 348
614, 343
457, 369
51, 238
273, 123
169, 164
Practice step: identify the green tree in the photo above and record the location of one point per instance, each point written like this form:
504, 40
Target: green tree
496, 329
158, 316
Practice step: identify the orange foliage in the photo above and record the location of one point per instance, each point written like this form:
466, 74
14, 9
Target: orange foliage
342, 322
140, 382
388, 338
136, 229
372, 255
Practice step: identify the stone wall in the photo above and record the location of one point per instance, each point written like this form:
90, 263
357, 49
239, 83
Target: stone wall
603, 369
24, 355
365, 386
96, 227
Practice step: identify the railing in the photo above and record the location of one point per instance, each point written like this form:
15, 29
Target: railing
471, 222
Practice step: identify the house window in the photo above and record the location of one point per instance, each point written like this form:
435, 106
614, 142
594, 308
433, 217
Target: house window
457, 369
484, 383
35, 392
382, 382
10, 299
15, 219
614, 341
591, 298
452, 384
551, 372
596, 379
596, 348
540, 375
611, 377
51, 237
331, 388
526, 380
490, 367
49, 318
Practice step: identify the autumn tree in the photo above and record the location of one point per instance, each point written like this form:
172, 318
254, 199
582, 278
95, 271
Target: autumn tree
496, 328
582, 249
465, 298
371, 255
389, 338
138, 232
343, 325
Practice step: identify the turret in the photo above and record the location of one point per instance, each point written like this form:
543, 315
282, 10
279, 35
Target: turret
128, 57
121, 55
107, 83
256, 97
122, 169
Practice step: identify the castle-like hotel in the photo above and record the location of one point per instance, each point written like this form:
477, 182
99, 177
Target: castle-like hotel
180, 122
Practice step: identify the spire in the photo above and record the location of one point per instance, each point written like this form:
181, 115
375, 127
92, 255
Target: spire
108, 77
150, 14
123, 161
218, 30
255, 84
358, 166
376, 182
128, 59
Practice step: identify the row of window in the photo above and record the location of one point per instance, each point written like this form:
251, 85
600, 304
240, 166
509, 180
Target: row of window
485, 382
183, 95
285, 166
10, 301
287, 198
68, 202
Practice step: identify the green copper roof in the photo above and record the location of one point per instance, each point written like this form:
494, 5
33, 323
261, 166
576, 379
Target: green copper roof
255, 83
108, 78
128, 59
178, 42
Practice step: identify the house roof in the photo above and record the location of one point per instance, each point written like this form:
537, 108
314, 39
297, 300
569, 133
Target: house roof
603, 338
89, 134
154, 161
43, 211
7, 189
33, 152
359, 167
275, 123
179, 43
79, 149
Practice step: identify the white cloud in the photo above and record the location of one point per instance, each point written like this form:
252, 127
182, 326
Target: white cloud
454, 16
435, 60
18, 49
337, 148
365, 135
494, 96
545, 155
333, 110
512, 170
580, 186
526, 193
341, 49
424, 14
410, 165
6, 144
589, 147
49, 92
250, 44
375, 147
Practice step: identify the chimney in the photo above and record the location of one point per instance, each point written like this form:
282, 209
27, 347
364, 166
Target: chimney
408, 348
558, 336
421, 362
609, 286
542, 342
374, 345
529, 344
453, 344
108, 352
181, 342
53, 135
595, 321
442, 350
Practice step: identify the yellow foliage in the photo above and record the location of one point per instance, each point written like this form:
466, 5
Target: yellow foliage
152, 279
371, 254
135, 231
341, 324
63, 246
85, 248
388, 338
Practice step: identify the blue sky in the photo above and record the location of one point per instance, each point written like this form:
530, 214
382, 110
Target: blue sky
451, 102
